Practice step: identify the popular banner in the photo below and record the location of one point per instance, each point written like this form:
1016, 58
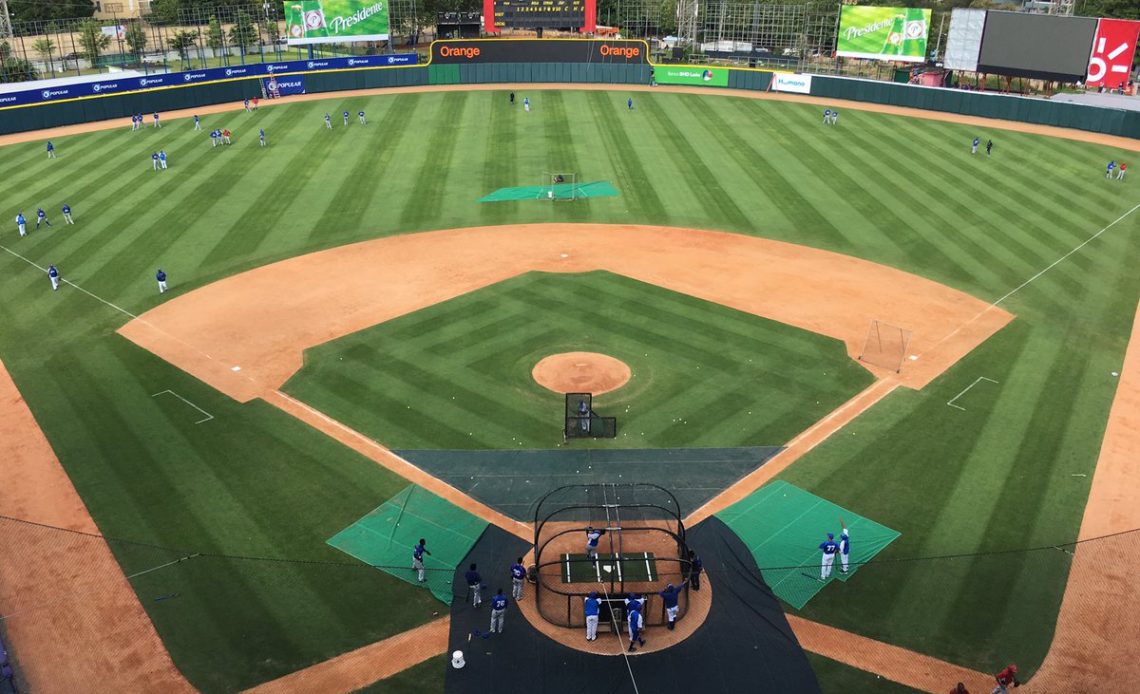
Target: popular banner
277, 87
335, 21
703, 76
883, 33
1112, 52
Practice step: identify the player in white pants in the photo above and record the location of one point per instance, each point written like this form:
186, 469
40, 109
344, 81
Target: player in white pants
829, 550
844, 548
592, 617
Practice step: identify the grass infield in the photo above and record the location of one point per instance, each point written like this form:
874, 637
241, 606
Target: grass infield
1002, 473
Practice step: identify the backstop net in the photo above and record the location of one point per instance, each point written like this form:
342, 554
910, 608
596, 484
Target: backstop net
641, 549
581, 422
885, 345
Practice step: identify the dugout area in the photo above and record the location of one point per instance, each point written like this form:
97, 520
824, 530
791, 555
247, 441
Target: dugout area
783, 525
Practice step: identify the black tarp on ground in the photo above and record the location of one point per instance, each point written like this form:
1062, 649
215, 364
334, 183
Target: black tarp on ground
513, 481
744, 646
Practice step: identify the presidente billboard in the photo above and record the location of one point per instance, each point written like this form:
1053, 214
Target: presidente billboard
540, 51
883, 33
335, 21
694, 75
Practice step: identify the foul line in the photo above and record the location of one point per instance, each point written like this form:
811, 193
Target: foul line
950, 402
1027, 282
208, 415
120, 309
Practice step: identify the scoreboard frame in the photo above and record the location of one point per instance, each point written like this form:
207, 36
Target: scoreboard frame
588, 26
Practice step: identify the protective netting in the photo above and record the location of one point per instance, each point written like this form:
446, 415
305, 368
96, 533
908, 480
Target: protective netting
783, 526
557, 191
386, 537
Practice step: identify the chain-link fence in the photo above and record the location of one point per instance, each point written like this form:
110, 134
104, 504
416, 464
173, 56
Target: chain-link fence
192, 39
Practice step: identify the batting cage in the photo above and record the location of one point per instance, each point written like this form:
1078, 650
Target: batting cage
612, 539
583, 423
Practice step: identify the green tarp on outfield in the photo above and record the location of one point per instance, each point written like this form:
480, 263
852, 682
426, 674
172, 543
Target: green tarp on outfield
783, 525
562, 191
385, 537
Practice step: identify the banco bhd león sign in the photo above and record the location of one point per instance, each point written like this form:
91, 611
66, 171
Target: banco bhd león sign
540, 51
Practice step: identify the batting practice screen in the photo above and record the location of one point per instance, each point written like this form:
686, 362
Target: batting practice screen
1037, 46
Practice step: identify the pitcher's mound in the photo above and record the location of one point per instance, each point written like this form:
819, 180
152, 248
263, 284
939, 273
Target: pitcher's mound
581, 372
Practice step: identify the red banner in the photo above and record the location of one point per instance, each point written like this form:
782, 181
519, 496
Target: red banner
1113, 47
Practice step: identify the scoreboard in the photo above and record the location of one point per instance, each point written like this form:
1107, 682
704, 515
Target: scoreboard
539, 14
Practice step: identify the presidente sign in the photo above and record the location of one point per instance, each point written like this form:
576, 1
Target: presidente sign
540, 51
689, 74
883, 33
176, 79
335, 21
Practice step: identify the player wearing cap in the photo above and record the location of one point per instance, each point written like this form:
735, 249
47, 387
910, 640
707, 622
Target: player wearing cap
592, 537
518, 576
592, 617
418, 560
1005, 678
669, 597
829, 550
474, 583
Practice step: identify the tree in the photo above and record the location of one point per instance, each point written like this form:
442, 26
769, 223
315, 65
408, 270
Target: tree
182, 42
243, 33
14, 69
46, 10
136, 38
215, 37
46, 48
93, 40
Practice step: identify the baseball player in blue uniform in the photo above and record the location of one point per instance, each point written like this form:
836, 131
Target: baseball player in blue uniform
669, 598
592, 617
1109, 169
844, 547
261, 136
156, 123
834, 116
633, 617
135, 122
53, 275
247, 106
474, 583
50, 150
518, 577
197, 122
974, 146
66, 209
328, 122
154, 160
498, 611
160, 276
826, 116
360, 117
629, 104
526, 103
41, 217
162, 158
829, 550
592, 536
418, 560
346, 119
21, 224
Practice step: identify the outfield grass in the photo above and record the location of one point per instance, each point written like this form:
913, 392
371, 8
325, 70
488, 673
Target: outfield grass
898, 191
458, 375
837, 678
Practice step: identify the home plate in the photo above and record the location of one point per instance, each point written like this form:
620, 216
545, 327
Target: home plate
607, 568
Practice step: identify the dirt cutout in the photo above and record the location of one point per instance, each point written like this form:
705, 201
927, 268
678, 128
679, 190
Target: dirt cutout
73, 620
581, 372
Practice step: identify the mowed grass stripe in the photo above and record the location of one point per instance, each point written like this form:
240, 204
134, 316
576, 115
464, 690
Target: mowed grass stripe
805, 220
636, 186
562, 151
702, 182
500, 166
423, 205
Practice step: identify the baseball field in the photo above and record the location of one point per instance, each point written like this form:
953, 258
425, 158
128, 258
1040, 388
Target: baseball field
165, 410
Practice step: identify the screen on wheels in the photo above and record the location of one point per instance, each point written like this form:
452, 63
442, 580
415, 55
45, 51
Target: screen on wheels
1038, 46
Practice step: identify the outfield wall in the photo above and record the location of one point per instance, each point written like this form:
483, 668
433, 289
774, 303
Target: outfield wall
570, 61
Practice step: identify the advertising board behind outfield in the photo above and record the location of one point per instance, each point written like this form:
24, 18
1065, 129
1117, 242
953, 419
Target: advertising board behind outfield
797, 84
474, 51
335, 21
695, 75
883, 33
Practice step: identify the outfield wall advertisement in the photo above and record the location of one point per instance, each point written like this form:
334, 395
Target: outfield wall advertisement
539, 51
335, 21
883, 33
797, 83
703, 76
175, 79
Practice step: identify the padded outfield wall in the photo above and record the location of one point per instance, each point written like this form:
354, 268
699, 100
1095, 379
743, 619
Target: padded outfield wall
569, 61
